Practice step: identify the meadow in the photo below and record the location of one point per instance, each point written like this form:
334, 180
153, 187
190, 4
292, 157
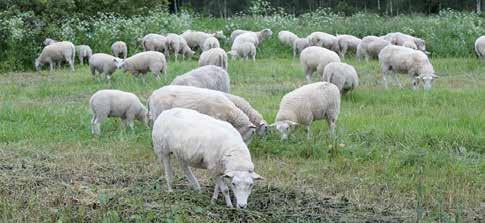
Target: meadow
399, 155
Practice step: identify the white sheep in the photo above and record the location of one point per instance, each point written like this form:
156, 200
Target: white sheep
103, 64
347, 42
209, 76
370, 47
236, 33
155, 42
325, 40
179, 46
209, 102
84, 52
311, 102
405, 60
210, 43
243, 50
214, 56
399, 39
315, 58
254, 116
56, 53
480, 47
119, 49
195, 39
299, 45
143, 62
343, 75
253, 37
116, 103
49, 41
287, 38
410, 44
201, 141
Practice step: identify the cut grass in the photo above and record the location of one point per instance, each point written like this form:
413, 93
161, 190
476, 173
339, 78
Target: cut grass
397, 152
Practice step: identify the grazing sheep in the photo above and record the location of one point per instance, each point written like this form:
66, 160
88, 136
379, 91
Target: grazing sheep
287, 38
195, 39
215, 56
306, 104
179, 46
209, 102
56, 53
315, 58
410, 44
253, 37
402, 59
119, 49
299, 45
154, 42
49, 41
346, 42
399, 39
370, 47
325, 40
480, 47
236, 33
103, 64
116, 103
201, 141
84, 52
254, 116
243, 50
143, 62
209, 76
210, 43
343, 75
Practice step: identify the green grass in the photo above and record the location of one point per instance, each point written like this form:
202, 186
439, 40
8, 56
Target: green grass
399, 154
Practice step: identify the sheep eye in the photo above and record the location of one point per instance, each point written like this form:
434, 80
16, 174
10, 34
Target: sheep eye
233, 184
250, 185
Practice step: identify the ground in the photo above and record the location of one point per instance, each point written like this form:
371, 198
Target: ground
400, 155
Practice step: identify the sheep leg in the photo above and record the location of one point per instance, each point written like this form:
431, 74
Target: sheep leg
225, 191
165, 161
384, 78
294, 52
396, 78
71, 64
129, 122
308, 74
415, 82
123, 123
51, 66
344, 51
308, 131
96, 124
215, 195
81, 60
190, 175
331, 124
254, 57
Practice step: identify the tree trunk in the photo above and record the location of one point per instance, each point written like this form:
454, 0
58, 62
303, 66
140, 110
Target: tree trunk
479, 6
378, 5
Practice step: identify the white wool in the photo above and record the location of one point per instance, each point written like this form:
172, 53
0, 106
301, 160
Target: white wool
119, 49
209, 76
214, 56
343, 75
315, 58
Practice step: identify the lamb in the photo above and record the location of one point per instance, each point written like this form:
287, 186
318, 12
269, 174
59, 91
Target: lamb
287, 38
103, 64
215, 56
399, 39
201, 141
370, 47
49, 41
299, 45
480, 47
210, 43
209, 76
195, 39
116, 103
143, 62
402, 59
306, 104
55, 53
236, 33
243, 50
343, 75
254, 116
209, 102
253, 37
84, 52
179, 46
154, 42
119, 48
324, 40
315, 58
346, 42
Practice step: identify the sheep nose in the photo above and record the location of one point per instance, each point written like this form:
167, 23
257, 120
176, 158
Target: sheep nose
242, 206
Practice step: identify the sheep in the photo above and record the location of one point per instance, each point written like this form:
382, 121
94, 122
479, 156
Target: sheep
103, 64
399, 39
254, 116
243, 50
154, 42
116, 103
195, 39
315, 58
480, 47
84, 52
215, 56
402, 59
370, 47
179, 46
141, 63
236, 33
210, 43
346, 42
253, 37
287, 38
343, 75
55, 53
119, 48
49, 41
209, 102
299, 45
410, 44
209, 76
324, 40
306, 104
201, 141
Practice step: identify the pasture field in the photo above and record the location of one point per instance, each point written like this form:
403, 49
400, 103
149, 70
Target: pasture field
400, 155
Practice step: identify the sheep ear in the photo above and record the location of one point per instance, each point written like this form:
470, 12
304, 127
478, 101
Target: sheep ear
228, 175
256, 176
252, 126
292, 123
434, 76
262, 123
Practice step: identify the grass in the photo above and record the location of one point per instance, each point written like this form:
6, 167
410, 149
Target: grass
400, 155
